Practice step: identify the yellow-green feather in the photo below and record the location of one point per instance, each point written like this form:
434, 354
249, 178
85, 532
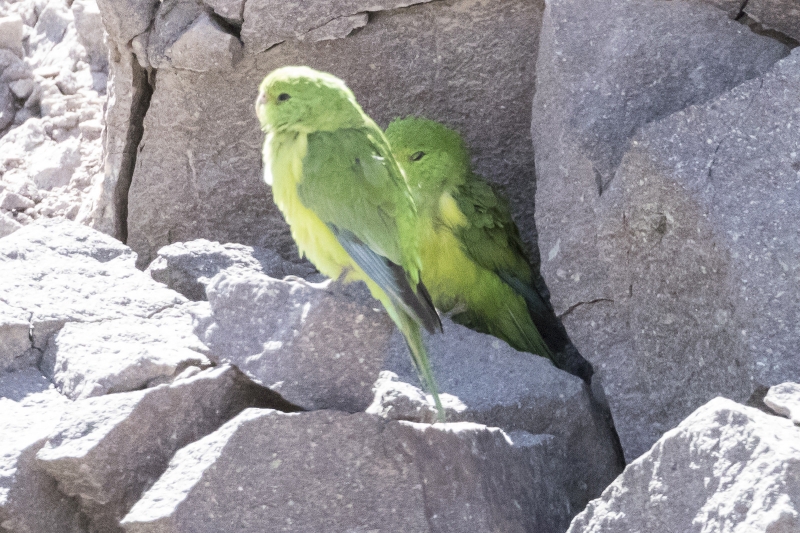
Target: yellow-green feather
466, 236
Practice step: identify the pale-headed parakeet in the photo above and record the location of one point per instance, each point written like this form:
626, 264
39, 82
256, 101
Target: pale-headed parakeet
472, 255
345, 198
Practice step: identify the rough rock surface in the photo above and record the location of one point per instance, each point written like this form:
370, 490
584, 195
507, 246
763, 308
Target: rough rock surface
53, 72
671, 272
323, 346
30, 409
106, 451
779, 15
725, 468
393, 476
187, 267
55, 271
201, 135
784, 399
86, 359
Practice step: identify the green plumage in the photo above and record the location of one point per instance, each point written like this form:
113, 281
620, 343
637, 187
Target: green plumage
472, 255
345, 198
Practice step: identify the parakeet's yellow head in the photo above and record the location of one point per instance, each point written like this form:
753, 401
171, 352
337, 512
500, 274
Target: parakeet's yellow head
305, 100
432, 155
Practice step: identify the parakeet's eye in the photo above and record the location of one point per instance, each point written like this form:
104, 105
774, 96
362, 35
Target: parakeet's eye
416, 156
283, 97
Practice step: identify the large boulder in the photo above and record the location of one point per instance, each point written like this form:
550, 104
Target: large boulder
106, 451
667, 252
30, 502
725, 468
332, 471
472, 68
323, 346
75, 305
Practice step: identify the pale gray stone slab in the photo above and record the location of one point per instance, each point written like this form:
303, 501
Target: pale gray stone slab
726, 467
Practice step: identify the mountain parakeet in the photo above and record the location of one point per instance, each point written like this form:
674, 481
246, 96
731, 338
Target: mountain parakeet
472, 254
345, 198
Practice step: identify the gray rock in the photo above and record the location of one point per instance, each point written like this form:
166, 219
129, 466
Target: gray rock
22, 89
779, 15
330, 471
187, 267
205, 46
8, 225
725, 468
125, 19
89, 25
14, 334
732, 7
128, 97
317, 348
11, 34
171, 22
269, 22
642, 274
29, 500
431, 58
784, 399
337, 28
11, 201
7, 108
230, 10
106, 451
321, 347
126, 354
55, 272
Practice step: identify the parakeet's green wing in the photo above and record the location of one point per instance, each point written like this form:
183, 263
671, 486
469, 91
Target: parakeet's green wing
350, 183
490, 236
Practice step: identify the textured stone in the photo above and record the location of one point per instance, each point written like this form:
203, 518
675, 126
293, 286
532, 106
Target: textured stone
125, 19
108, 450
640, 259
230, 10
205, 46
89, 27
11, 34
725, 468
8, 225
779, 15
188, 267
324, 347
784, 399
269, 22
7, 109
29, 500
12, 201
56, 272
96, 358
450, 60
330, 471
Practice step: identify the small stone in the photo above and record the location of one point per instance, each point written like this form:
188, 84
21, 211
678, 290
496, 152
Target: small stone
784, 399
11, 201
22, 89
205, 46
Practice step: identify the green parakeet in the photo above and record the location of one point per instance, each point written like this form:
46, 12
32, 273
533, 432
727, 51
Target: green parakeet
345, 198
472, 254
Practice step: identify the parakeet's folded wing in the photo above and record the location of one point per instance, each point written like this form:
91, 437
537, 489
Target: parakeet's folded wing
490, 236
357, 190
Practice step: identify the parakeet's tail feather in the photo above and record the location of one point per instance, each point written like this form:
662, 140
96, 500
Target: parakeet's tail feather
392, 278
419, 355
563, 354
533, 340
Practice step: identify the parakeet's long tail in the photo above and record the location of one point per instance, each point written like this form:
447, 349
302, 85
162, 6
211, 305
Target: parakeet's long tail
419, 355
561, 352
